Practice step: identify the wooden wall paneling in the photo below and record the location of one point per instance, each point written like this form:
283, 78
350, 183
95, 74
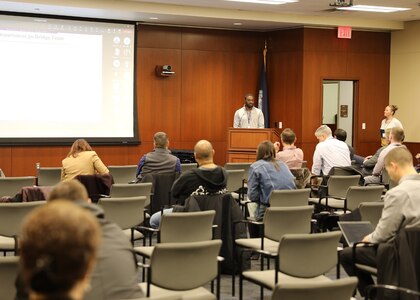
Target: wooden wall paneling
6, 159
205, 83
245, 41
288, 40
370, 42
285, 79
414, 149
206, 39
119, 154
244, 78
162, 37
374, 90
158, 98
285, 90
25, 158
219, 152
317, 65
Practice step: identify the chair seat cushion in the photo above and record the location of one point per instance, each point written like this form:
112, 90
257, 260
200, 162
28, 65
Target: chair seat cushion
137, 235
334, 203
7, 243
255, 244
266, 278
198, 293
144, 251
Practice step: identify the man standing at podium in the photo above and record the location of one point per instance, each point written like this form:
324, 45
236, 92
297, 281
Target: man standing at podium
248, 116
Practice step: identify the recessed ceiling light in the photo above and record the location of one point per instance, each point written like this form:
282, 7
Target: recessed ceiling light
371, 8
237, 24
274, 2
154, 18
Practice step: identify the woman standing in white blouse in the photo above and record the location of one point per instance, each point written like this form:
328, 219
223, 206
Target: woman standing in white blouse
389, 122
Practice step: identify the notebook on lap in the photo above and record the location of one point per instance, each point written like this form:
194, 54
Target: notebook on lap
355, 231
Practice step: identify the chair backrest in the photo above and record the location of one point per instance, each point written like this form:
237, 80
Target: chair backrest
308, 255
281, 220
12, 214
341, 289
359, 194
184, 266
188, 166
10, 186
302, 177
239, 166
234, 179
339, 184
8, 273
48, 176
123, 174
119, 190
126, 212
181, 227
161, 189
282, 198
371, 211
386, 180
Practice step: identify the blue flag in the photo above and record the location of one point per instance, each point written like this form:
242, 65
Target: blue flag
262, 90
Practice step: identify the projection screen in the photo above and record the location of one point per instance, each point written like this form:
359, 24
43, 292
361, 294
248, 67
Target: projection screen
63, 79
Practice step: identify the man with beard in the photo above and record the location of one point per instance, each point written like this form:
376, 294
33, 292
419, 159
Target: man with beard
248, 116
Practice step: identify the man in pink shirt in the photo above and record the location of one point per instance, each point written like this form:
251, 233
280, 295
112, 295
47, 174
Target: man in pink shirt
290, 155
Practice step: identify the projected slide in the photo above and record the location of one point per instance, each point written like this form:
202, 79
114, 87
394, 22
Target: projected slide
66, 79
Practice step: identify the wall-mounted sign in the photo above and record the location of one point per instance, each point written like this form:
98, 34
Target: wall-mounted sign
344, 111
344, 32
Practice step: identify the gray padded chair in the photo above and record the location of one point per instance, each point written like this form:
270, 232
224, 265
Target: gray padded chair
239, 166
371, 211
48, 176
341, 289
337, 186
184, 268
8, 274
188, 166
182, 227
235, 186
119, 190
282, 198
123, 174
354, 196
10, 186
301, 258
11, 216
127, 213
276, 223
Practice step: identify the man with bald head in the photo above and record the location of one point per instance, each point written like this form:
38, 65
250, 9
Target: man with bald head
208, 178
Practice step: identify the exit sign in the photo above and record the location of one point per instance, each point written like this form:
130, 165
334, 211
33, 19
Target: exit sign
344, 32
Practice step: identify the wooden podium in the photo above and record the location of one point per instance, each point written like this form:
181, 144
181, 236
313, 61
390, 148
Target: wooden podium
243, 142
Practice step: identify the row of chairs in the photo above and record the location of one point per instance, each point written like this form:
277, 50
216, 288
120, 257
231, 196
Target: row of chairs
50, 176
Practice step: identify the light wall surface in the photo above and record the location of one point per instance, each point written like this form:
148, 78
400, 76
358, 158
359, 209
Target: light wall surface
405, 78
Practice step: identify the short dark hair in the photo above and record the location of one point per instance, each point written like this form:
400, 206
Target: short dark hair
340, 134
288, 136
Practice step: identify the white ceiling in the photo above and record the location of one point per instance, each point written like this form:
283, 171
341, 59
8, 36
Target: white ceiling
222, 14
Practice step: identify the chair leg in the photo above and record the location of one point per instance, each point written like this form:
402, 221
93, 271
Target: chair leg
240, 287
